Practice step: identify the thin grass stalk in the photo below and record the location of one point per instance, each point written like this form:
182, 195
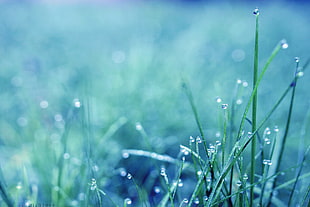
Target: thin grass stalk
297, 177
254, 111
287, 127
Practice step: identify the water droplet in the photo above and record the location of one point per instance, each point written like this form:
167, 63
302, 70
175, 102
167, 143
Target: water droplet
267, 162
250, 134
199, 172
44, 104
198, 140
276, 129
299, 73
196, 201
218, 99
205, 198
297, 59
122, 172
128, 201
129, 176
77, 103
22, 121
224, 106
217, 134
208, 179
180, 183
93, 184
256, 12
183, 158
239, 101
245, 84
218, 143
157, 189
139, 126
239, 183
245, 176
239, 81
267, 131
284, 44
267, 140
185, 200
19, 186
212, 148
163, 171
184, 151
66, 156
191, 139
125, 155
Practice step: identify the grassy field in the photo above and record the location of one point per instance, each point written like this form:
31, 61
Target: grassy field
93, 111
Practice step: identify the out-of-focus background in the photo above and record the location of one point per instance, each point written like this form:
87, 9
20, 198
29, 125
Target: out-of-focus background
82, 74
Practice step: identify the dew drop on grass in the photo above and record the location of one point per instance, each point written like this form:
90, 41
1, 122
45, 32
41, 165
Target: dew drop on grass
196, 201
198, 140
250, 134
184, 151
19, 186
267, 131
256, 12
138, 126
125, 155
239, 81
299, 73
208, 179
180, 183
239, 183
157, 189
284, 44
185, 200
239, 101
122, 172
245, 177
267, 162
218, 99
93, 184
218, 143
128, 201
224, 106
267, 140
77, 103
129, 176
199, 172
276, 129
245, 84
217, 134
205, 198
191, 139
163, 171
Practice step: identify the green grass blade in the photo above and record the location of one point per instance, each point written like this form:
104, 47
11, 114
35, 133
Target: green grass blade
254, 110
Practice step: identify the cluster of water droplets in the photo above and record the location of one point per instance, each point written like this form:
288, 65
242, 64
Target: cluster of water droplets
93, 184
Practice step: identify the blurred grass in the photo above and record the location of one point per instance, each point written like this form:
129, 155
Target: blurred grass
126, 60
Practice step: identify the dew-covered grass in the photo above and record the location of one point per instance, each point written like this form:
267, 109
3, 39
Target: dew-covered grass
154, 104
